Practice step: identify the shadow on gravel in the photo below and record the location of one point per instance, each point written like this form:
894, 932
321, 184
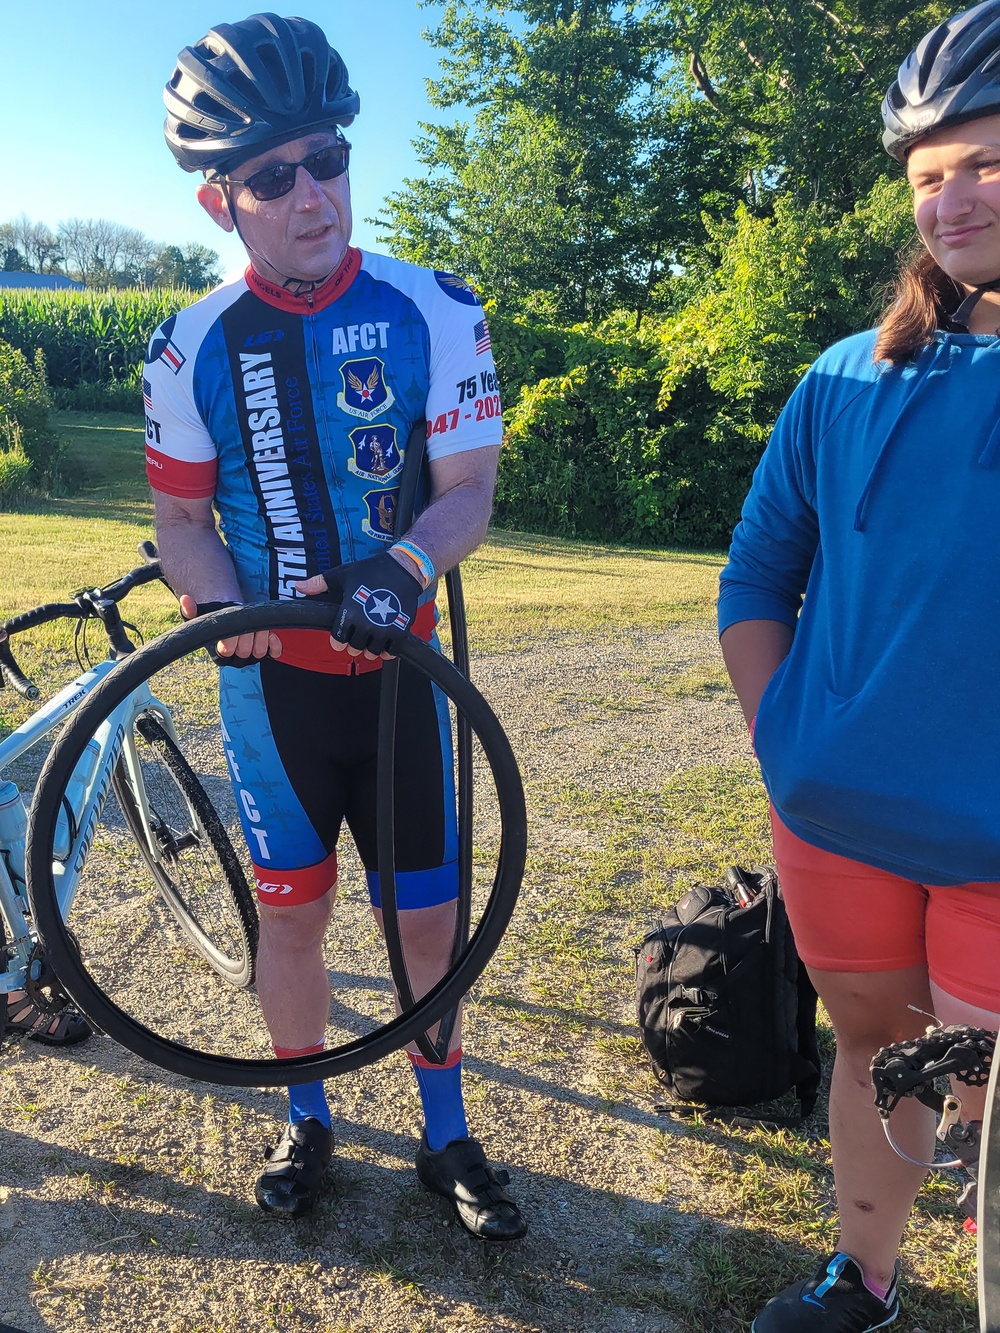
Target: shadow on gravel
86, 1226
374, 1221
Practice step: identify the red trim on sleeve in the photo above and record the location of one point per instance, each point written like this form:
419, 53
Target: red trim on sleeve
336, 284
172, 476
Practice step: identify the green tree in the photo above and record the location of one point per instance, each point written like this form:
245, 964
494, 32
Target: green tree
796, 85
196, 266
606, 139
541, 198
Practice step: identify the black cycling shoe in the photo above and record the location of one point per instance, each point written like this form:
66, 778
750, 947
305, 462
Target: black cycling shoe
460, 1173
834, 1300
290, 1183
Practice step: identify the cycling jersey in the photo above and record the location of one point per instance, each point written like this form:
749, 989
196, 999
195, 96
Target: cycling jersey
293, 413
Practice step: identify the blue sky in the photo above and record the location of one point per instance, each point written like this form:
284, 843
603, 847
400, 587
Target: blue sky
80, 101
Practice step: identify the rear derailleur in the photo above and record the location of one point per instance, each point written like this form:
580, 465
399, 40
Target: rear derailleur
910, 1068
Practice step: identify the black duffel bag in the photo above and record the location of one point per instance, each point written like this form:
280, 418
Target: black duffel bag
726, 1010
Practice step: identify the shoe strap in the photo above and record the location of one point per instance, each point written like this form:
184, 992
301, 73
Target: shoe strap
41, 1023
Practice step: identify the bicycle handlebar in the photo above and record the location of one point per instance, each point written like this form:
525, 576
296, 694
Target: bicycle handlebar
11, 674
86, 604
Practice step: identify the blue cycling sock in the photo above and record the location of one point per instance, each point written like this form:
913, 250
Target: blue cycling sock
441, 1094
305, 1100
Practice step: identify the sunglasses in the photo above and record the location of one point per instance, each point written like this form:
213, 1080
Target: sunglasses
275, 182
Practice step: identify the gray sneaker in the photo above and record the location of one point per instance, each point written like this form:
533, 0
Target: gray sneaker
835, 1300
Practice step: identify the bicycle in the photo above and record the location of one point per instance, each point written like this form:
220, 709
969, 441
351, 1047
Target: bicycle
910, 1069
134, 754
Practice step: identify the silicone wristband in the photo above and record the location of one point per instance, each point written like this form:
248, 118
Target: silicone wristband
420, 558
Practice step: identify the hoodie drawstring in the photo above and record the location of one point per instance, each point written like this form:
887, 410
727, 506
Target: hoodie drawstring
943, 352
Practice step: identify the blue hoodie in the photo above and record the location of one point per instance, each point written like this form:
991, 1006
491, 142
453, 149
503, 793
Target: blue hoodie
878, 501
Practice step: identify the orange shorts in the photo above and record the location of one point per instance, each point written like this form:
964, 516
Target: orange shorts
849, 917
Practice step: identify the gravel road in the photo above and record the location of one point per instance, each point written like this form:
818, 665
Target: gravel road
125, 1191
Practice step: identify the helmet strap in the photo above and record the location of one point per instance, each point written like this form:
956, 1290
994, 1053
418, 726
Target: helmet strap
958, 320
296, 286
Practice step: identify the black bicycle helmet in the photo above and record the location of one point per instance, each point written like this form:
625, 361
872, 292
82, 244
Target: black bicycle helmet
249, 86
952, 76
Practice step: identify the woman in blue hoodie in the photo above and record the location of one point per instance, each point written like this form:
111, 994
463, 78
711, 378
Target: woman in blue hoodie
860, 622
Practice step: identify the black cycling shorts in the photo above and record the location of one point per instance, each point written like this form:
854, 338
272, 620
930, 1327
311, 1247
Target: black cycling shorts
301, 749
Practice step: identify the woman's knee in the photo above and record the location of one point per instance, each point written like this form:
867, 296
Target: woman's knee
870, 1010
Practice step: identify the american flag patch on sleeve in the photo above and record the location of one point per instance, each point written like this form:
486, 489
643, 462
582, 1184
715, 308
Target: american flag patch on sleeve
482, 336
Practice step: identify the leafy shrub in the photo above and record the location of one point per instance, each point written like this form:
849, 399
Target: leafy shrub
653, 436
25, 408
575, 441
785, 288
15, 465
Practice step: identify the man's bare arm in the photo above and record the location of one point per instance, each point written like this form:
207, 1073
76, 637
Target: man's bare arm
200, 569
455, 521
193, 555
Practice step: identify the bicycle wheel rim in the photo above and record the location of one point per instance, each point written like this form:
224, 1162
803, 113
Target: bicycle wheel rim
226, 1070
235, 964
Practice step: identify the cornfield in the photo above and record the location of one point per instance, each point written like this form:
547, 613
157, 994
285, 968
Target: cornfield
89, 339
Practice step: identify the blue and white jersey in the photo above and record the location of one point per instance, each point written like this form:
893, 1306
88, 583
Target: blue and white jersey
293, 413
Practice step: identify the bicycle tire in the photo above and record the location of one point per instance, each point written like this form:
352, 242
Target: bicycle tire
206, 891
132, 672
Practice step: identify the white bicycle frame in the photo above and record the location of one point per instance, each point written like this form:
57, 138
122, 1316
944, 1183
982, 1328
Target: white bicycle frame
116, 739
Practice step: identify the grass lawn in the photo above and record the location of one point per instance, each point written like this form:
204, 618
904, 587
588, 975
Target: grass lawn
53, 546
518, 586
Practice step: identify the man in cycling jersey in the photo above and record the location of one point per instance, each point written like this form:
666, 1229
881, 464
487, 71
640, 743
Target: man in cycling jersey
283, 403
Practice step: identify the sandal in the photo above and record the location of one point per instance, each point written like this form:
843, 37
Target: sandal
63, 1029
460, 1173
290, 1183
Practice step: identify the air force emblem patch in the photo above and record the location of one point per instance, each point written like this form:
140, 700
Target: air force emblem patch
457, 288
376, 453
365, 393
381, 520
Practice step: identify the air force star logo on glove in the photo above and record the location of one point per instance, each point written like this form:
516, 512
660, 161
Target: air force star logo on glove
382, 606
378, 600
